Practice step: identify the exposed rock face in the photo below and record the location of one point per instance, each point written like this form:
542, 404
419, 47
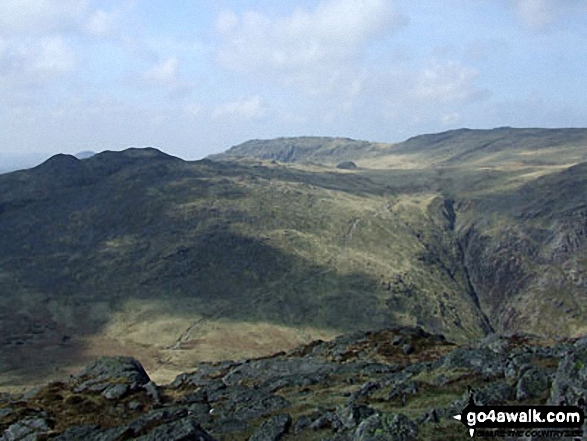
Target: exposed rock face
347, 165
529, 274
113, 376
359, 387
570, 381
111, 390
386, 427
272, 429
26, 429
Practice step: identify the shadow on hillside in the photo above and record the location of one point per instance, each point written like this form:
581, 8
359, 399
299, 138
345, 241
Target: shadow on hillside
76, 254
219, 274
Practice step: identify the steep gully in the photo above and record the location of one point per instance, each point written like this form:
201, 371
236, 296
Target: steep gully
451, 215
460, 241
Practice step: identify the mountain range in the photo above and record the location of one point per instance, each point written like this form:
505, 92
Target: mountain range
277, 243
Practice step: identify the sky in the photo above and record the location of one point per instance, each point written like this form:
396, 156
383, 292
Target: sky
195, 77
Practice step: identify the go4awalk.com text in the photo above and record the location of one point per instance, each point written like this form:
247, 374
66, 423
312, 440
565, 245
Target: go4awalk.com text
523, 421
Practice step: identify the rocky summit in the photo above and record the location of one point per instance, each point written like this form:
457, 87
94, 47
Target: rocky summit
392, 384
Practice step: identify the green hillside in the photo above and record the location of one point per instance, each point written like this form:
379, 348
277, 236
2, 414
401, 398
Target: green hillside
175, 262
504, 146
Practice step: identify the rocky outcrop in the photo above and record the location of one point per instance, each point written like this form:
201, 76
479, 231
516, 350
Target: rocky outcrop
570, 381
272, 429
112, 399
357, 387
112, 376
347, 165
387, 427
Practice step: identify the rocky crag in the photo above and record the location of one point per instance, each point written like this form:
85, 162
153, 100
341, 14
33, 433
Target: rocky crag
390, 384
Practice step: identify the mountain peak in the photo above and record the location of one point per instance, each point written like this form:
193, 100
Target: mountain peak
59, 165
59, 160
146, 152
133, 154
68, 170
85, 154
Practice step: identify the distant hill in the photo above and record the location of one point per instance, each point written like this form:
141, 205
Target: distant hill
319, 150
506, 145
463, 147
271, 245
85, 154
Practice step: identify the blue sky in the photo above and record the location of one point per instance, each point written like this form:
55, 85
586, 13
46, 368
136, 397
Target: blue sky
196, 77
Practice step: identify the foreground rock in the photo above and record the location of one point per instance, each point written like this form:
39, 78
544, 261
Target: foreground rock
358, 387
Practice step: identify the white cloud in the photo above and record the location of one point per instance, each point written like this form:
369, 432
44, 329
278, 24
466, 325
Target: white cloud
447, 82
164, 72
38, 40
101, 23
165, 75
353, 93
34, 61
451, 118
540, 15
226, 21
308, 47
193, 109
54, 56
428, 95
40, 16
244, 108
50, 17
